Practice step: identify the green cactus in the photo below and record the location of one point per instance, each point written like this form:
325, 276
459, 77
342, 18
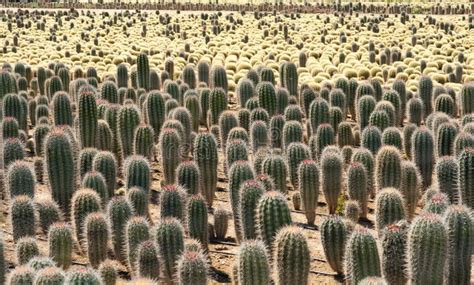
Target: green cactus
357, 183
290, 78
427, 240
445, 103
294, 113
86, 157
388, 168
147, 265
13, 150
87, 110
172, 202
445, 135
119, 211
394, 253
227, 121
9, 127
425, 87
218, 78
267, 97
84, 202
415, 111
245, 90
447, 177
96, 235
333, 239
291, 257
48, 213
22, 217
191, 102
345, 137
111, 116
168, 234
83, 275
105, 139
371, 139
259, 135
307, 97
155, 111
60, 244
105, 163
217, 104
259, 114
21, 275
205, 156
50, 276
127, 121
292, 132
352, 210
422, 153
137, 172
323, 137
466, 97
143, 141
437, 204
121, 76
361, 256
408, 131
203, 71
331, 173
392, 136
221, 222
250, 193
95, 180
192, 268
20, 179
25, 249
410, 185
136, 232
466, 162
196, 222
253, 264
389, 208
337, 98
318, 113
273, 214
309, 183
295, 154
143, 72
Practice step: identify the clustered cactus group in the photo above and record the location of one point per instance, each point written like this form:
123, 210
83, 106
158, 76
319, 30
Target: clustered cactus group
128, 167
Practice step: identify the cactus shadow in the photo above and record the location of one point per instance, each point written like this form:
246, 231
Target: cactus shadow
366, 223
219, 275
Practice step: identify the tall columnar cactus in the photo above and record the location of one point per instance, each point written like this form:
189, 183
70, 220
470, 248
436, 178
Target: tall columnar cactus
22, 217
83, 275
388, 168
292, 256
357, 186
394, 253
105, 137
137, 172
318, 113
13, 150
393, 97
196, 220
410, 185
408, 131
295, 154
267, 97
169, 144
85, 160
447, 177
227, 121
87, 118
459, 227
292, 132
463, 141
415, 110
422, 153
245, 90
109, 92
96, 236
217, 104
84, 202
20, 179
238, 173
333, 239
205, 155
187, 176
192, 268
173, 202
48, 213
250, 193
389, 208
323, 137
273, 214
236, 150
128, 120
466, 162
445, 103
445, 135
371, 139
365, 157
259, 135
221, 222
253, 263
467, 99
218, 78
275, 166
337, 98
122, 76
143, 72
191, 102
189, 76
143, 142
309, 183
427, 240
139, 200
25, 249
111, 116
425, 89
148, 264
9, 128
361, 256
60, 244
169, 236
290, 78
331, 173
105, 163
155, 111
203, 71
12, 106
259, 114
119, 211
108, 272
307, 97
62, 110
136, 232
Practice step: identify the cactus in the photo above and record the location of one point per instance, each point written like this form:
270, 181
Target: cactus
388, 168
267, 75
408, 131
22, 217
86, 158
137, 172
361, 256
221, 221
296, 153
96, 235
245, 90
371, 139
422, 153
136, 232
415, 111
104, 163
128, 120
147, 265
60, 244
87, 110
447, 177
143, 72
218, 78
267, 97
203, 71
331, 173
445, 103
84, 202
217, 104
463, 141
459, 228
273, 214
333, 239
168, 235
250, 193
25, 249
357, 183
96, 181
48, 213
187, 176
389, 208
143, 141
259, 114
307, 97
172, 202
309, 183
352, 210
83, 275
205, 156
392, 136
9, 127
122, 76
318, 113
337, 98
252, 263
466, 162
236, 150
108, 272
20, 179
292, 256
466, 97
282, 97
138, 198
105, 139
227, 121
197, 224
119, 211
293, 113
425, 87
345, 136
275, 166
111, 116
323, 137
12, 150
410, 185
437, 204
445, 136
427, 238
290, 78
21, 275
192, 268
394, 253
191, 102
292, 132
238, 173
259, 135
50, 276
155, 112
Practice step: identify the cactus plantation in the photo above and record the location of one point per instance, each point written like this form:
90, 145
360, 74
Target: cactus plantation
237, 143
